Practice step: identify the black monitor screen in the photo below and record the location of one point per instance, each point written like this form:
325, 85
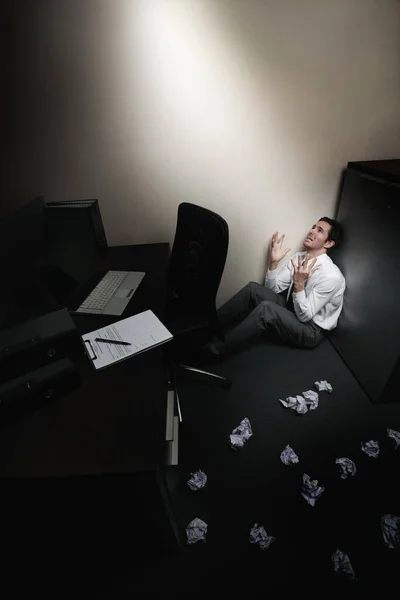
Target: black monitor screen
22, 258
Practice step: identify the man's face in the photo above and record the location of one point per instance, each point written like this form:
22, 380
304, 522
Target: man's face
317, 237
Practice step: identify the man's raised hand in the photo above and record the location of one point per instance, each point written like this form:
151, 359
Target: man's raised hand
302, 272
277, 251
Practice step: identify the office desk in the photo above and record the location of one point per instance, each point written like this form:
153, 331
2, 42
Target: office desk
89, 444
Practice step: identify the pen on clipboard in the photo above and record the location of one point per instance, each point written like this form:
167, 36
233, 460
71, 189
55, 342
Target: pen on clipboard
119, 342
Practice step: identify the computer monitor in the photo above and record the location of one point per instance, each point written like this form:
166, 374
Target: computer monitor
23, 293
76, 243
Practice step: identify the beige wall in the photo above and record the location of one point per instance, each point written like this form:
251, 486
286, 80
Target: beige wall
250, 108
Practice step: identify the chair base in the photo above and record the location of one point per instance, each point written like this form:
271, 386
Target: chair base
224, 382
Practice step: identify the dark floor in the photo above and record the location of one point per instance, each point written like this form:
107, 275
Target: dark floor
252, 485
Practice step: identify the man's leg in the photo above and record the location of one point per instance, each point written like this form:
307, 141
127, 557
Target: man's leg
269, 314
244, 302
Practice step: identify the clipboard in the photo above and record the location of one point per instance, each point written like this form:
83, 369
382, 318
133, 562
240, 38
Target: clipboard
143, 331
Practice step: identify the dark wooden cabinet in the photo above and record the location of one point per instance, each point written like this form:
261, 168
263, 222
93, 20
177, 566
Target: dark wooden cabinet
368, 334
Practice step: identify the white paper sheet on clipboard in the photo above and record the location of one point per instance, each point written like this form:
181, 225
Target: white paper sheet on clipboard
143, 331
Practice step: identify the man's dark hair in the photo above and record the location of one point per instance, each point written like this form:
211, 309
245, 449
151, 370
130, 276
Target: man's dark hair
335, 234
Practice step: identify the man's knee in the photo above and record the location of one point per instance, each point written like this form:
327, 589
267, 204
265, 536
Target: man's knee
254, 291
254, 286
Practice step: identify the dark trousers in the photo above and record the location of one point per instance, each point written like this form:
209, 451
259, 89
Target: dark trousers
256, 308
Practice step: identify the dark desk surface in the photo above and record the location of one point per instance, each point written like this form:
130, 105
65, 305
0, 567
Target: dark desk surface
115, 422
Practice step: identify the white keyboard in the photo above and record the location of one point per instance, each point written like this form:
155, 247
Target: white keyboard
104, 290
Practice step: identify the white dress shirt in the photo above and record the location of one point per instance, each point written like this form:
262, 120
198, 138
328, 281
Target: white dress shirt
322, 298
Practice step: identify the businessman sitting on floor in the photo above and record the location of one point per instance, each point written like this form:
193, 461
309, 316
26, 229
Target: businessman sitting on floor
313, 303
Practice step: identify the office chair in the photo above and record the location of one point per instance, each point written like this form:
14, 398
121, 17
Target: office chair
195, 269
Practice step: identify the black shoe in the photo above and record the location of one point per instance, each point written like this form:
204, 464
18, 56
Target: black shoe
207, 355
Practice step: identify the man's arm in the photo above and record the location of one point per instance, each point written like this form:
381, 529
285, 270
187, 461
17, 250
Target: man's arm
306, 307
278, 280
275, 280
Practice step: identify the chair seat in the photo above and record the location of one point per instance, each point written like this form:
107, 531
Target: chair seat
190, 330
184, 323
